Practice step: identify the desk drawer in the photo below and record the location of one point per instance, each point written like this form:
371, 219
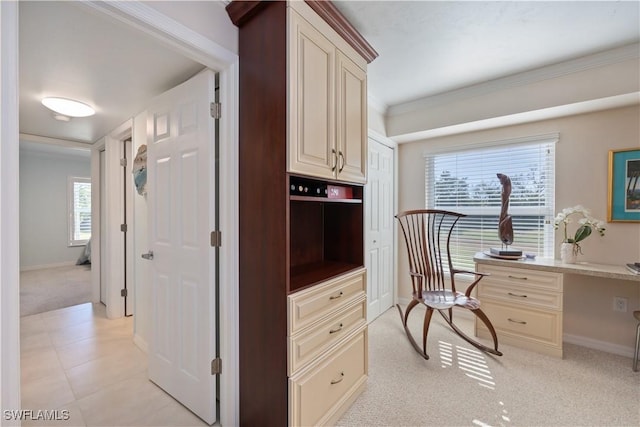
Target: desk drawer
516, 277
309, 343
523, 296
323, 390
310, 305
527, 324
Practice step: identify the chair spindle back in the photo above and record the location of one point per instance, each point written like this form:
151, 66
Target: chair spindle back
427, 234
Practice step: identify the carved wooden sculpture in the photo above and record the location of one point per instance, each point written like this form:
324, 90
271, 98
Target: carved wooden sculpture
505, 224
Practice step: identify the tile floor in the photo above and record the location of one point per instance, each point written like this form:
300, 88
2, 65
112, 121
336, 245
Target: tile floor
76, 359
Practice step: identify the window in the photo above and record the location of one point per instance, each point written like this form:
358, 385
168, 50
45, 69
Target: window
79, 211
465, 181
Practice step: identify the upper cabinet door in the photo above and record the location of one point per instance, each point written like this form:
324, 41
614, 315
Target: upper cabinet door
312, 148
351, 113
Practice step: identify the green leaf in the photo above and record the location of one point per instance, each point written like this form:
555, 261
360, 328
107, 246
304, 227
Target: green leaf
582, 233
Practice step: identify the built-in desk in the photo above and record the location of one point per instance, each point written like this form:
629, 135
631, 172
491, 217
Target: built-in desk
523, 298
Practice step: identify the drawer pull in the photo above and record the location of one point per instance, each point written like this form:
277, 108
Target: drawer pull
333, 331
517, 277
517, 321
336, 297
339, 379
516, 295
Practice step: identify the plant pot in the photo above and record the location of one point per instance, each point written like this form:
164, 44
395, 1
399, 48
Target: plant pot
568, 253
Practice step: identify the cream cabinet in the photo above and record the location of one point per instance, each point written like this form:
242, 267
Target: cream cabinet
302, 332
525, 307
327, 349
327, 134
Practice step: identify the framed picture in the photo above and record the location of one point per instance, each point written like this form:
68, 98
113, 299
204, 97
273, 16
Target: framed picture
624, 185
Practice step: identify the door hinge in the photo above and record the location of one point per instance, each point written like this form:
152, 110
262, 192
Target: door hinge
123, 293
123, 228
216, 239
216, 110
216, 366
123, 163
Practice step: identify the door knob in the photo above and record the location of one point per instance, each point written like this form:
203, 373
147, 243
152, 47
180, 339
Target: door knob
148, 255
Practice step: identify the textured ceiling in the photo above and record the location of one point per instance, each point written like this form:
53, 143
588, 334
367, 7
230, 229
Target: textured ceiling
430, 47
426, 48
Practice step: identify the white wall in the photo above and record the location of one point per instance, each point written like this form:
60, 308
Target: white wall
209, 18
581, 178
44, 206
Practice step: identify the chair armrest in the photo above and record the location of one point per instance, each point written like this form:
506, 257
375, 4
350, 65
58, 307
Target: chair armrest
470, 272
478, 275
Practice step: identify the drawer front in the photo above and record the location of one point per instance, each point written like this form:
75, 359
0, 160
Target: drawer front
317, 393
537, 325
524, 296
303, 347
309, 306
519, 277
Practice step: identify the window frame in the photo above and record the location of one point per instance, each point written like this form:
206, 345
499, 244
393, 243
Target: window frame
71, 211
548, 236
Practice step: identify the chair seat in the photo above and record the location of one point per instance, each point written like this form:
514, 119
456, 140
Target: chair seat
442, 300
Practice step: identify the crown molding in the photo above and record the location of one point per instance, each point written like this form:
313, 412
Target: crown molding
608, 57
585, 107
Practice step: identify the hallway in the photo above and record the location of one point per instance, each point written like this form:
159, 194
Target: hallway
75, 359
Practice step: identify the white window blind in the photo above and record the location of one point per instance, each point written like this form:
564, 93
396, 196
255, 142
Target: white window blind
79, 211
465, 181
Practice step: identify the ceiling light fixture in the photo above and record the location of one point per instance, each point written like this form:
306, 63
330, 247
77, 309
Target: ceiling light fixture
68, 107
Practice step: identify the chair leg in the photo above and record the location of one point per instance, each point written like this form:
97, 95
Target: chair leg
404, 317
635, 354
425, 330
473, 342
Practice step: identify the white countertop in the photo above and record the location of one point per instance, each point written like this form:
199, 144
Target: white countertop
546, 264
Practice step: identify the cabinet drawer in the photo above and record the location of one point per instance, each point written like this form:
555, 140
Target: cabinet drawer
320, 392
309, 306
524, 296
529, 324
304, 346
504, 276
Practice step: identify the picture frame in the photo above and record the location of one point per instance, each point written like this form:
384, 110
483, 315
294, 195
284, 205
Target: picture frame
624, 185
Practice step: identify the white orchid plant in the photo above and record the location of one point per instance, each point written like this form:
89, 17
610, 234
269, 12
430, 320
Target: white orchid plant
587, 224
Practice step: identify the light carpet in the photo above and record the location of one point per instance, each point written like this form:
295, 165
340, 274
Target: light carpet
460, 386
53, 288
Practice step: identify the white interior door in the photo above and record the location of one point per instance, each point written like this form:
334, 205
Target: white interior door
180, 182
103, 230
379, 223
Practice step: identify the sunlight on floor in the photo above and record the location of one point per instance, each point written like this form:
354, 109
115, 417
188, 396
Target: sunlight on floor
473, 363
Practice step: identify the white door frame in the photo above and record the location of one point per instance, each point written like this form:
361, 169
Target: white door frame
192, 45
378, 137
112, 260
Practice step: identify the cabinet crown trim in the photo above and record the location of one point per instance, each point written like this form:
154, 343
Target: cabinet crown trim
241, 12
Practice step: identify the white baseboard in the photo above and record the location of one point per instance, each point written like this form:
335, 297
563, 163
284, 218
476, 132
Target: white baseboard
141, 343
43, 266
594, 344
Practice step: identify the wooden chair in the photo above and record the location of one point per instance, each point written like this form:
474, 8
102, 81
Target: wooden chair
427, 234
